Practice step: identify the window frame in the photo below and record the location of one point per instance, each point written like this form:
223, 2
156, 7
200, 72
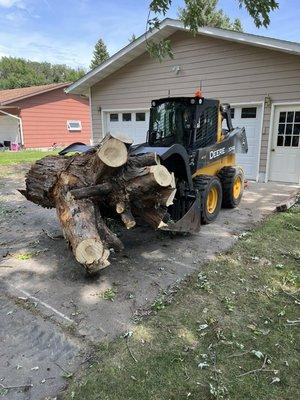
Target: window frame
126, 113
140, 112
113, 120
288, 136
249, 108
74, 121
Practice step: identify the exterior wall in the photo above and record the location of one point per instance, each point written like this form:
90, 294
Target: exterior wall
45, 118
231, 72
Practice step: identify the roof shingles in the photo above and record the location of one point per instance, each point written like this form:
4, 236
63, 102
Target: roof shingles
11, 95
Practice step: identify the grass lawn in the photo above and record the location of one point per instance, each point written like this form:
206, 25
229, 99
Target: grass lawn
23, 156
229, 332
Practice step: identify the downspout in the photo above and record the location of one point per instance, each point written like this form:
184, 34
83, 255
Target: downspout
20, 124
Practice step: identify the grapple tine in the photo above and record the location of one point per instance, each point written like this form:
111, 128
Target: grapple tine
190, 222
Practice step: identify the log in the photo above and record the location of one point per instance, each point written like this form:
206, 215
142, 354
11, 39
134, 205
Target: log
87, 188
91, 191
77, 218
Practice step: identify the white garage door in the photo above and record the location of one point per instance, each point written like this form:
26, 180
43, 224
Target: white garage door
9, 129
285, 145
133, 123
250, 118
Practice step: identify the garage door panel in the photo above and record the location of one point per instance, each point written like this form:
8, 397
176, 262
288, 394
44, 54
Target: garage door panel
136, 128
250, 161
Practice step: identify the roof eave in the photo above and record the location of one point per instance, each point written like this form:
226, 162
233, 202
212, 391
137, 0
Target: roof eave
169, 26
14, 100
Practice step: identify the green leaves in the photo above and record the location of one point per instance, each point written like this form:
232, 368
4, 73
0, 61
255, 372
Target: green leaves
259, 10
18, 72
160, 50
198, 13
160, 6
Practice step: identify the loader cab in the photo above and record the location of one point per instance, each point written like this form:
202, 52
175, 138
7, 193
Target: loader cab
193, 122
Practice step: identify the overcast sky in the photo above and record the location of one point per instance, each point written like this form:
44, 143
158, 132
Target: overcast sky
65, 31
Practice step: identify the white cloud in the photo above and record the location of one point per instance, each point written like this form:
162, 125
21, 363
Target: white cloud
10, 3
38, 47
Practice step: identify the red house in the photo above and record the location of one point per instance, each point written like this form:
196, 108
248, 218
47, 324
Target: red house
43, 116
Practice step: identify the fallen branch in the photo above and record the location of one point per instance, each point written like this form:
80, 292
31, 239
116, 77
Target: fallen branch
261, 369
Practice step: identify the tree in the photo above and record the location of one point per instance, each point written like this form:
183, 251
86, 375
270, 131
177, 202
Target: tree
18, 72
198, 13
100, 54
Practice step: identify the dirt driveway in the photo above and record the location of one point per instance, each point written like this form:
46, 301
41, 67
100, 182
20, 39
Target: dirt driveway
51, 314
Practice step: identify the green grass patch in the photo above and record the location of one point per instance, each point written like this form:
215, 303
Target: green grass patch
23, 156
230, 332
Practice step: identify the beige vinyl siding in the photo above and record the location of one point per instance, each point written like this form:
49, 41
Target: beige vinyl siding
228, 71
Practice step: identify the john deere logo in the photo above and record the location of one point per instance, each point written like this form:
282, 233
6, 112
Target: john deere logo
216, 153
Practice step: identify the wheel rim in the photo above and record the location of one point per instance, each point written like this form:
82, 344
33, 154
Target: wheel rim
237, 187
212, 200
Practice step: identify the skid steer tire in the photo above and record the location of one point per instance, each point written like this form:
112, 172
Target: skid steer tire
210, 193
232, 180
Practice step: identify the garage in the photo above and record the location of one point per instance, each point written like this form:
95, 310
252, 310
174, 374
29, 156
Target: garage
285, 144
135, 124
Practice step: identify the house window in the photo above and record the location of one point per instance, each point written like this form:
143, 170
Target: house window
140, 116
249, 112
288, 129
114, 117
74, 125
232, 112
126, 117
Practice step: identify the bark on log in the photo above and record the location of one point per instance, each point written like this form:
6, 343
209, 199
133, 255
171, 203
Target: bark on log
86, 188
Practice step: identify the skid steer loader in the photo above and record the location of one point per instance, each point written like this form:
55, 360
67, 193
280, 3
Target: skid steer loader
187, 135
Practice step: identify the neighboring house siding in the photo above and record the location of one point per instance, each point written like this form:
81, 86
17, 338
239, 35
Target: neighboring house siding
45, 118
228, 71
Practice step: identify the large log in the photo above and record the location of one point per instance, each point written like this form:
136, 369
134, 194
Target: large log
86, 188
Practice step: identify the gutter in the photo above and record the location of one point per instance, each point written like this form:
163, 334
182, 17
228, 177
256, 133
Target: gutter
20, 124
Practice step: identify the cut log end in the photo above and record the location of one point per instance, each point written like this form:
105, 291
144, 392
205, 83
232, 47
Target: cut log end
161, 175
91, 253
113, 153
122, 137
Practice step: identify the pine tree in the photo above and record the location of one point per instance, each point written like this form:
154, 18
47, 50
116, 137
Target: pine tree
100, 54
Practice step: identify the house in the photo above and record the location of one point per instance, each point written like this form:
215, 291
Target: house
259, 77
43, 116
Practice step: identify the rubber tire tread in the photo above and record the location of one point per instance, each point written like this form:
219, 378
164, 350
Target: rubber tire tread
201, 183
227, 176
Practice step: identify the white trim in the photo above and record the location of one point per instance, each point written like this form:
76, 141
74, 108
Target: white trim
262, 103
74, 129
247, 103
20, 124
270, 138
167, 28
91, 117
126, 109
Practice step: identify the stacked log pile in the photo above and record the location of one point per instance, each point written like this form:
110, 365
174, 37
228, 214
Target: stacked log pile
105, 182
